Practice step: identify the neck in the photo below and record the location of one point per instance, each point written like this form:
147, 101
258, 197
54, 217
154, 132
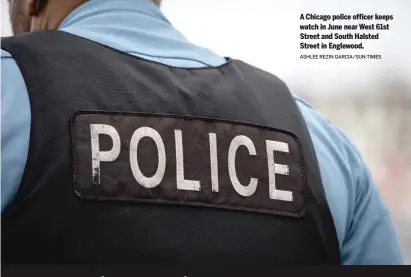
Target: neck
54, 13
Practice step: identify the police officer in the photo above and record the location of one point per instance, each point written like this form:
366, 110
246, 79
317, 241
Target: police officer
122, 142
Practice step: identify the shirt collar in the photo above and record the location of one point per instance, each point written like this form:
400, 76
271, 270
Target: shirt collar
95, 9
137, 27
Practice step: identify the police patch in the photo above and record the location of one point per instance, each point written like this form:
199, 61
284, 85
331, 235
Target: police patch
170, 159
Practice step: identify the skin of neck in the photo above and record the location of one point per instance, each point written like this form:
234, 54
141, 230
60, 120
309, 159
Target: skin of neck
55, 11
51, 16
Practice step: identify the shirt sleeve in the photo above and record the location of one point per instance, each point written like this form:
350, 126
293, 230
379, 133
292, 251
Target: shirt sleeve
15, 128
371, 238
363, 223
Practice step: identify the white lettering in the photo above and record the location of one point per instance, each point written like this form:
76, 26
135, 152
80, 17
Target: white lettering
98, 156
235, 144
274, 168
182, 183
213, 161
111, 155
148, 182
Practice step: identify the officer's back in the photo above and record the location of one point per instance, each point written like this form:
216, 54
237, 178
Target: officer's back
144, 146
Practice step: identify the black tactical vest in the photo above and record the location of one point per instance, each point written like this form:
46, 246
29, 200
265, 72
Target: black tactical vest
135, 162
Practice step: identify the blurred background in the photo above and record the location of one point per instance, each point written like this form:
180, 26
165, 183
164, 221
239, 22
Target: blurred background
370, 100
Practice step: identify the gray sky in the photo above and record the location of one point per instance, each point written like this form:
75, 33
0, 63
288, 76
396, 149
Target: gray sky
266, 33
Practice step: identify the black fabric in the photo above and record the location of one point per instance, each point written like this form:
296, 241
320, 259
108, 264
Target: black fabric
155, 157
49, 223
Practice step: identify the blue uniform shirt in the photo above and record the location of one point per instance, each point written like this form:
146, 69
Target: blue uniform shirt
363, 223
